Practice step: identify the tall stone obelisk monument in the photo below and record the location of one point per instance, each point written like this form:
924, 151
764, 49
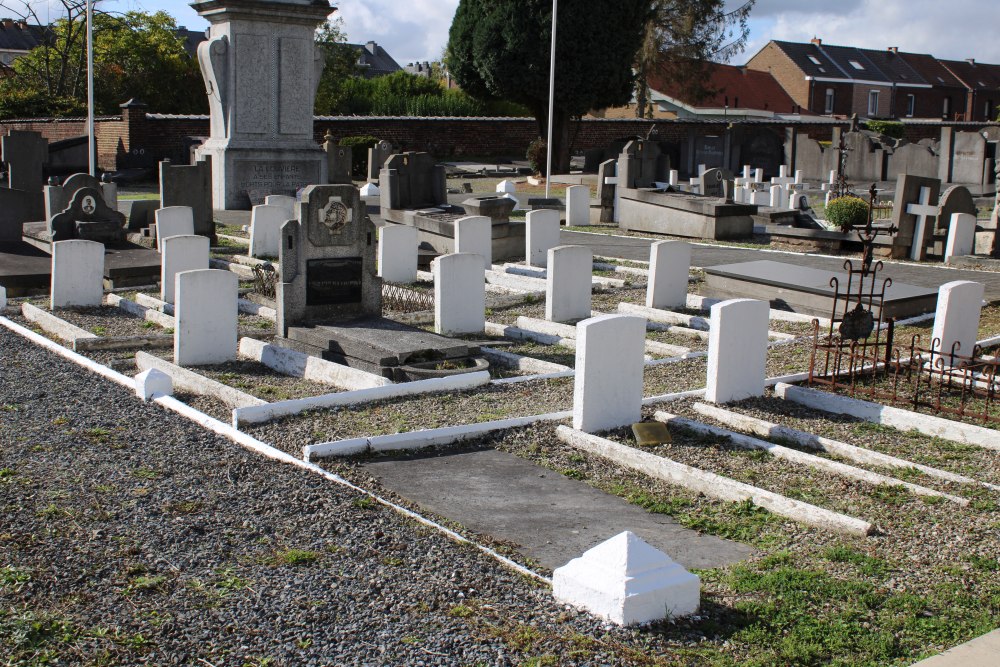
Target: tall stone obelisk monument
261, 69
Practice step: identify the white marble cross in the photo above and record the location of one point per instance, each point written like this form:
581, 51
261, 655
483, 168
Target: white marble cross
923, 209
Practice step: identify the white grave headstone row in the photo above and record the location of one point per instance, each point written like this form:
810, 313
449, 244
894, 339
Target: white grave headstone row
669, 263
77, 274
459, 294
961, 236
737, 350
397, 253
568, 283
173, 221
178, 254
206, 317
474, 234
956, 320
578, 206
265, 229
541, 233
607, 385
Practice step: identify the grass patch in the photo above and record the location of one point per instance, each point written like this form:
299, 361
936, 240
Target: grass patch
296, 557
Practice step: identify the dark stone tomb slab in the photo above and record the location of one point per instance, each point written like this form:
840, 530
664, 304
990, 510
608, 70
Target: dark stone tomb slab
805, 290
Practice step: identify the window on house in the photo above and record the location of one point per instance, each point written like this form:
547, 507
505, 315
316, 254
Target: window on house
856, 65
873, 103
815, 60
911, 104
947, 107
829, 100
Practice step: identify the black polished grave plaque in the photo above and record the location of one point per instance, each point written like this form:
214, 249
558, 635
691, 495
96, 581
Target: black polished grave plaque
333, 282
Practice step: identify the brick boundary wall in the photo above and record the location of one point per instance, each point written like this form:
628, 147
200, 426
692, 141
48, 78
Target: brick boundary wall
137, 138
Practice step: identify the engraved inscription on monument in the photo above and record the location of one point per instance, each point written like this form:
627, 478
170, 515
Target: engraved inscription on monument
258, 179
332, 282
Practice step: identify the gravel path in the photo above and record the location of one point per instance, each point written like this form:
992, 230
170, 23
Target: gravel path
132, 536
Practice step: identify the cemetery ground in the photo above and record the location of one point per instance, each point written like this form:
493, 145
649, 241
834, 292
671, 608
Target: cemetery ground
136, 535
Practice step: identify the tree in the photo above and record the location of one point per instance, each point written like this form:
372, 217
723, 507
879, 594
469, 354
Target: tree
341, 65
682, 38
136, 55
500, 50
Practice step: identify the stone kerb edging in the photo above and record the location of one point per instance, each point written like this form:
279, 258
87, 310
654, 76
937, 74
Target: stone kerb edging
252, 444
810, 460
150, 314
434, 437
196, 383
55, 325
297, 364
265, 413
904, 420
820, 443
711, 484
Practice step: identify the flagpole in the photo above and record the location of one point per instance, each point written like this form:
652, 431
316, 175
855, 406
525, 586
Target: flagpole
552, 98
91, 143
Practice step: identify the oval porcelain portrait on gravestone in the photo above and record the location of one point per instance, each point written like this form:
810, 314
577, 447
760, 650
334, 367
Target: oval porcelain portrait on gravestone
335, 215
89, 205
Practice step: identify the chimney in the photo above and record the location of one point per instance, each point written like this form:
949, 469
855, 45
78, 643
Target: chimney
7, 23
22, 24
971, 61
893, 49
817, 41
372, 48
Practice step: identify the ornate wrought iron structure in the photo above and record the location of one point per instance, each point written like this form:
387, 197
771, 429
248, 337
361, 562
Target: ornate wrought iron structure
265, 280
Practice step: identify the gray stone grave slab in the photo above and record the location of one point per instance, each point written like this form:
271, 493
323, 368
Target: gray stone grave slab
642, 165
338, 161
190, 185
805, 290
551, 518
24, 153
377, 156
89, 218
683, 214
16, 208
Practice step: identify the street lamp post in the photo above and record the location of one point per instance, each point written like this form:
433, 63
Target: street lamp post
91, 143
552, 98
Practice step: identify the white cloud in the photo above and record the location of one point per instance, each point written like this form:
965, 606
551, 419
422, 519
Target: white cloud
410, 30
956, 29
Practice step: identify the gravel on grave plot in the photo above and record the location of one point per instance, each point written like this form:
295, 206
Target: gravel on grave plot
133, 536
399, 415
976, 462
107, 321
931, 574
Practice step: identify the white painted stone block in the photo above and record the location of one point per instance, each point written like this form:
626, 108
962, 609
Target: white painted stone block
474, 234
747, 169
397, 253
702, 169
265, 229
758, 175
568, 283
507, 186
626, 581
206, 317
173, 221
783, 171
956, 319
181, 253
370, 190
762, 198
3, 297
737, 350
578, 205
77, 273
541, 233
961, 235
777, 196
799, 175
284, 202
153, 383
673, 177
607, 387
459, 294
669, 262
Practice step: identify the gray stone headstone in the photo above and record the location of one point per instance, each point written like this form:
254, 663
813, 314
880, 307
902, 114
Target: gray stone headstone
88, 218
141, 213
24, 153
327, 260
16, 208
908, 192
641, 165
968, 156
191, 185
58, 197
377, 155
956, 199
712, 183
412, 181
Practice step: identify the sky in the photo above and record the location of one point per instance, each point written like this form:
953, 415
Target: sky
417, 30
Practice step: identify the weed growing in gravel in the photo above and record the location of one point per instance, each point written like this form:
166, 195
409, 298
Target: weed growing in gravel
60, 421
365, 503
6, 472
144, 584
461, 610
867, 565
14, 577
295, 557
145, 473
7, 407
182, 507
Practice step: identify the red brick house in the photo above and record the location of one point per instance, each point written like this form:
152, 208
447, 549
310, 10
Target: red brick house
982, 83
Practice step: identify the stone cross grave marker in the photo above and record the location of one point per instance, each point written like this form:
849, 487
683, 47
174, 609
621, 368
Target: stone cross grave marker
327, 260
908, 192
923, 210
25, 153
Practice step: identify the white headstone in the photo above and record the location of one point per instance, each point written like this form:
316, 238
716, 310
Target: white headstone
694, 185
286, 202
956, 319
181, 253
669, 262
777, 196
783, 171
3, 297
961, 235
568, 283
673, 177
541, 233
207, 319
762, 198
747, 169
758, 175
626, 581
578, 205
77, 273
607, 386
265, 229
153, 383
459, 294
922, 210
507, 187
702, 169
737, 350
833, 177
173, 221
799, 176
474, 234
370, 190
397, 253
